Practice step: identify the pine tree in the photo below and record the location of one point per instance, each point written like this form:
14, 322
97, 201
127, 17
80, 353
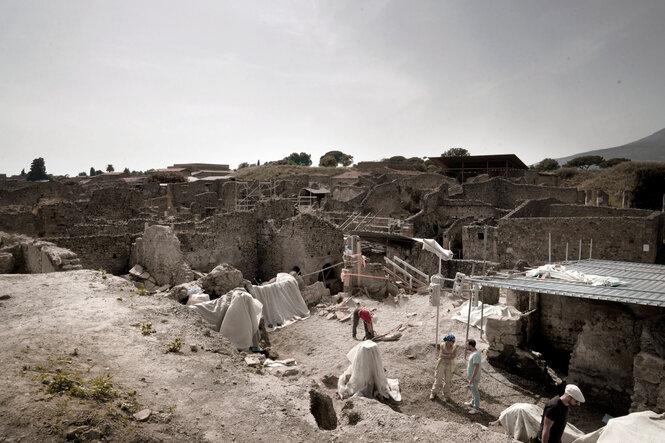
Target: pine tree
37, 170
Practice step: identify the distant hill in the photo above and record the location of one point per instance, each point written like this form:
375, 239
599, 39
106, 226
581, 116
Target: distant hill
651, 148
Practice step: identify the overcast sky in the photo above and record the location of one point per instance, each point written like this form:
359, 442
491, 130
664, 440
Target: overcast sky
145, 84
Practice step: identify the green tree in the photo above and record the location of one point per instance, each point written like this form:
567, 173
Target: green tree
37, 170
339, 156
612, 162
125, 171
110, 168
328, 161
23, 172
166, 177
82, 174
300, 159
456, 152
243, 165
585, 162
92, 172
547, 164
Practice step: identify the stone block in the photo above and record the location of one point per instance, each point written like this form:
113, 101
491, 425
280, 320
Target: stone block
221, 280
649, 367
7, 263
314, 293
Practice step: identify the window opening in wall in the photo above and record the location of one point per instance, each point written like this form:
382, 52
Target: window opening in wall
326, 273
481, 236
115, 256
296, 269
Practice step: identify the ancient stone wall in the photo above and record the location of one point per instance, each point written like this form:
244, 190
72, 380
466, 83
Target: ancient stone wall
32, 256
558, 210
158, 250
57, 219
304, 242
504, 194
649, 368
384, 201
632, 239
115, 202
101, 251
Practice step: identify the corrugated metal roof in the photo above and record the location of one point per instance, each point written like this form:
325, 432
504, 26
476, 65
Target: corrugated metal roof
645, 283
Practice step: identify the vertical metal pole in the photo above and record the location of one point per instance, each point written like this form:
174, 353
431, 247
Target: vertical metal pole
580, 256
549, 249
590, 248
468, 320
484, 249
440, 266
482, 309
566, 252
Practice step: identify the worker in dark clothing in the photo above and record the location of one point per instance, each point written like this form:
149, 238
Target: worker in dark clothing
555, 414
362, 313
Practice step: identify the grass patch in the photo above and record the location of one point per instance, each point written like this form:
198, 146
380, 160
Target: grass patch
146, 329
174, 346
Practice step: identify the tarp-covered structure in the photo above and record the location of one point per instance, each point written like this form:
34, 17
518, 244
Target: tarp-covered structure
282, 302
235, 315
365, 376
522, 420
481, 312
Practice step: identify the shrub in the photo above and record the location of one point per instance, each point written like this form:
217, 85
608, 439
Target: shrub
649, 188
166, 177
174, 346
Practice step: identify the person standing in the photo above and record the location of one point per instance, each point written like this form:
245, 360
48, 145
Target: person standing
445, 366
555, 414
473, 375
362, 313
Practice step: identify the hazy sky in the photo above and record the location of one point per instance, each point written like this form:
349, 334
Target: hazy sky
145, 84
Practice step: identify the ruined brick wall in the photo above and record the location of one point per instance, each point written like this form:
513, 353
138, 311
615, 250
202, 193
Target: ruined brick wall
31, 193
224, 238
649, 367
115, 202
17, 220
56, 220
305, 242
557, 210
504, 194
622, 239
384, 200
108, 252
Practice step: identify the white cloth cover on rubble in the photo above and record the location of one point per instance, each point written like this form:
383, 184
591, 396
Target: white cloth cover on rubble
282, 302
365, 375
431, 245
521, 420
638, 427
235, 315
487, 310
559, 272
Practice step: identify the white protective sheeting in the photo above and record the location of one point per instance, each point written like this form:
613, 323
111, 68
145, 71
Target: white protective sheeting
365, 376
638, 427
235, 315
559, 272
432, 246
487, 310
282, 302
522, 420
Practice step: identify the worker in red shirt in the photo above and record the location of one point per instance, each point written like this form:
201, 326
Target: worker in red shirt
362, 313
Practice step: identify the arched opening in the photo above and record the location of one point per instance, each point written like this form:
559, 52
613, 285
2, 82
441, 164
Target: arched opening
296, 269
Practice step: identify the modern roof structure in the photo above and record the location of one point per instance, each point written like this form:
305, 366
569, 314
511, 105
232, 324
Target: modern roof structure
644, 283
472, 165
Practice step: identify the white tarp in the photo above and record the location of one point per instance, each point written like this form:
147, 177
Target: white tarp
487, 310
235, 315
282, 302
365, 376
522, 420
638, 427
560, 272
432, 246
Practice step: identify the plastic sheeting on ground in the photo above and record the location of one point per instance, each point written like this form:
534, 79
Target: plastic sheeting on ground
282, 302
638, 427
522, 420
487, 310
559, 272
432, 246
365, 376
235, 315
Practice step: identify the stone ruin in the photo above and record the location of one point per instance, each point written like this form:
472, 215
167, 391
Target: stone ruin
169, 234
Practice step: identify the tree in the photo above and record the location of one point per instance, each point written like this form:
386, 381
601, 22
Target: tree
82, 174
338, 156
37, 170
126, 171
109, 168
166, 177
328, 161
92, 172
547, 164
300, 159
243, 165
456, 152
649, 188
23, 172
585, 162
612, 162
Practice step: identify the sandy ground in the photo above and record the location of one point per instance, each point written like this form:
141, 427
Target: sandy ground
84, 326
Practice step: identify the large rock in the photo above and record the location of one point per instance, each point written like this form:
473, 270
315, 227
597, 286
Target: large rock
159, 252
7, 263
321, 407
221, 280
314, 293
